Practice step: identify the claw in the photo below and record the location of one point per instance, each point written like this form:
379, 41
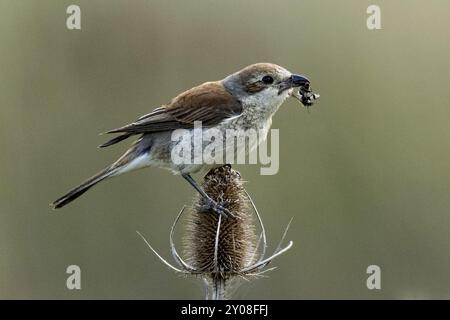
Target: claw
218, 208
210, 203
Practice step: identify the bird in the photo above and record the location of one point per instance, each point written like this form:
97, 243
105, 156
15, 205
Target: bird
244, 99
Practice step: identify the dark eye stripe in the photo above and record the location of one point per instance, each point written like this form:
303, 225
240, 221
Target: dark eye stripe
255, 87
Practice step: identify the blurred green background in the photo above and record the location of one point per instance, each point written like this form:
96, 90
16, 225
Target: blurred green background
365, 174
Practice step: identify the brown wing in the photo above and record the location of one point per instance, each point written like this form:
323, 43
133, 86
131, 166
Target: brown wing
209, 103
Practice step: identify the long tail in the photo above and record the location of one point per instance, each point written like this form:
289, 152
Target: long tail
115, 140
135, 158
83, 187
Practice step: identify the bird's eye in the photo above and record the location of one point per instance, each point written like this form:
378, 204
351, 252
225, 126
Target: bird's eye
267, 79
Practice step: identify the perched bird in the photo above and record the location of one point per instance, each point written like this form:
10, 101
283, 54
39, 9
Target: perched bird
245, 99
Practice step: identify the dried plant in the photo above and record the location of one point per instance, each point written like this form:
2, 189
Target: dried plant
221, 249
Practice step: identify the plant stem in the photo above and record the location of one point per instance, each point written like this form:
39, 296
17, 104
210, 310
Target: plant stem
218, 288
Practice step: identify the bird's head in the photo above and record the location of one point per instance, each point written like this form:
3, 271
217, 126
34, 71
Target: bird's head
263, 85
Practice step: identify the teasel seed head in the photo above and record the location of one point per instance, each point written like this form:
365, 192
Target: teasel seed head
218, 248
215, 245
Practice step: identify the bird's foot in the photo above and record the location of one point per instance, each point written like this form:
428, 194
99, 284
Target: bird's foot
217, 207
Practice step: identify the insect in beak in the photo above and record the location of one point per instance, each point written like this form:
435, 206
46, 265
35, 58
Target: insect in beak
306, 97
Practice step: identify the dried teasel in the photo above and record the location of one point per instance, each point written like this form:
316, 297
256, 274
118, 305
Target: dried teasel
237, 238
222, 249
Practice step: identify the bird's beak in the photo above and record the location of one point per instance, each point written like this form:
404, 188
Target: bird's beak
294, 80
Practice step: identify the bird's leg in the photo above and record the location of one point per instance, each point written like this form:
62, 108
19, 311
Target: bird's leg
211, 204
